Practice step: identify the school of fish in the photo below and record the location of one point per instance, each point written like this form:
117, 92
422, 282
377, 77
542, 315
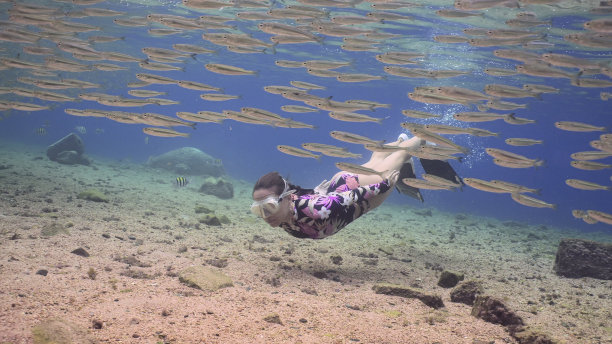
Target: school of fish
48, 48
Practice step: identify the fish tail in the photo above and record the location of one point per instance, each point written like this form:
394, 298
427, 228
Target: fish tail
575, 77
509, 117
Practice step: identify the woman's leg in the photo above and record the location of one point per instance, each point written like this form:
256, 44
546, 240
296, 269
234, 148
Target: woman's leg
392, 161
378, 157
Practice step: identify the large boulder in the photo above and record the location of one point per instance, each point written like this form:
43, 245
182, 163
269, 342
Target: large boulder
583, 258
218, 187
68, 150
449, 279
493, 310
188, 161
466, 292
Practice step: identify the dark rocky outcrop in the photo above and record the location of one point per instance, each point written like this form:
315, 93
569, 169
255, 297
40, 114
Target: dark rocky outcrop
188, 161
531, 336
466, 292
210, 220
68, 150
80, 252
493, 310
449, 279
433, 301
218, 187
582, 258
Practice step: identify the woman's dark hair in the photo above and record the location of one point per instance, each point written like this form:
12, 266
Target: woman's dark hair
274, 181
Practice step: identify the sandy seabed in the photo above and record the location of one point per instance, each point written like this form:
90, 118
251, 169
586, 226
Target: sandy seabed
149, 232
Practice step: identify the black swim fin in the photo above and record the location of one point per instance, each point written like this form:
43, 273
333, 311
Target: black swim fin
441, 169
407, 171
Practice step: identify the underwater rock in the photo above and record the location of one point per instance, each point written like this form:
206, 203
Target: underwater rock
583, 258
52, 229
224, 220
81, 252
210, 220
424, 213
200, 209
493, 310
218, 187
59, 331
203, 278
72, 158
273, 319
449, 279
93, 195
530, 336
466, 292
433, 301
68, 150
188, 161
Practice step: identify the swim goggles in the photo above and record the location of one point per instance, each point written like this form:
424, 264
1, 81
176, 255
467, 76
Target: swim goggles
270, 205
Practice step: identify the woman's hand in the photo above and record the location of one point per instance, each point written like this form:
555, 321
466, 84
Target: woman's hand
391, 176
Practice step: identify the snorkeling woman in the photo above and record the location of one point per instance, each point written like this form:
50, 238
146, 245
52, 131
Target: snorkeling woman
320, 212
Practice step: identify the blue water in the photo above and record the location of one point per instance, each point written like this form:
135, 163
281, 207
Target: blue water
248, 151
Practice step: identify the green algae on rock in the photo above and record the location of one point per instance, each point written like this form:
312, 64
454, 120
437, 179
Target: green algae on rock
93, 195
211, 220
200, 209
203, 278
59, 331
52, 229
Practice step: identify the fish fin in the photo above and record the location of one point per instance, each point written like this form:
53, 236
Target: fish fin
379, 121
441, 169
407, 171
575, 78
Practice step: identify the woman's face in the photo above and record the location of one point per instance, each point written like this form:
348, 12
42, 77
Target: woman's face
282, 215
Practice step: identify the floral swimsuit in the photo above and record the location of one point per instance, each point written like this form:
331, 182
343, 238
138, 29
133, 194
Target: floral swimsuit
318, 215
